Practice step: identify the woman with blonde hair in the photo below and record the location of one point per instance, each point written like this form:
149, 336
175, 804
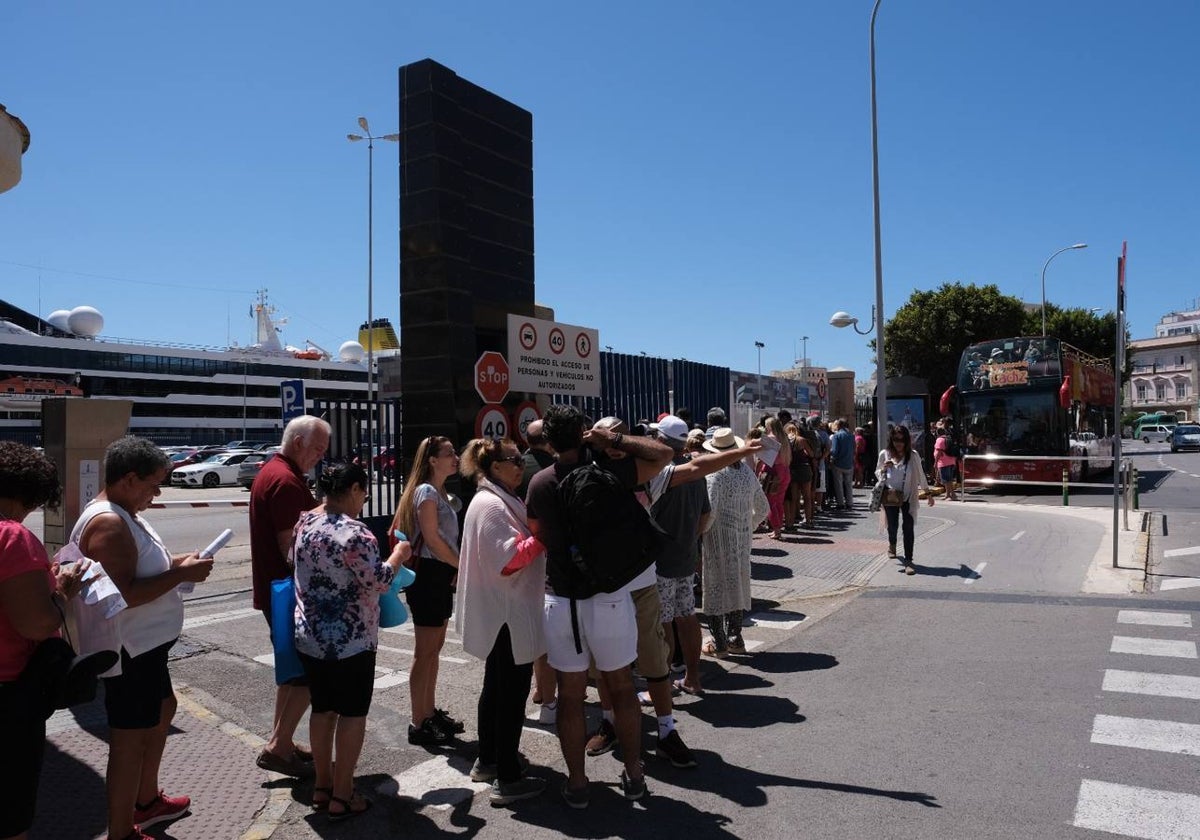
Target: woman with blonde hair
428, 517
501, 588
778, 474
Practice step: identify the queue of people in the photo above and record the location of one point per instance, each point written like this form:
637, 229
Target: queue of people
516, 577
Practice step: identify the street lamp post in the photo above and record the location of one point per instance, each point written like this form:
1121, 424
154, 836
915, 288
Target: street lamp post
804, 362
880, 377
759, 345
370, 138
1077, 246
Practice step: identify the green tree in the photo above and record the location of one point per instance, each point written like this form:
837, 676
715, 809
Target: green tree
1091, 333
927, 335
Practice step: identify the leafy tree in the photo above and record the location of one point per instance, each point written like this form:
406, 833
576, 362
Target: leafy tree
1091, 333
927, 335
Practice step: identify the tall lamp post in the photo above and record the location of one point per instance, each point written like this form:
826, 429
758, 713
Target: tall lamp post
1077, 246
880, 377
804, 362
759, 345
370, 138
845, 319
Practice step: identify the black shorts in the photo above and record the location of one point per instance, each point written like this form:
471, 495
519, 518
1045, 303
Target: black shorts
343, 686
430, 597
134, 699
23, 733
299, 681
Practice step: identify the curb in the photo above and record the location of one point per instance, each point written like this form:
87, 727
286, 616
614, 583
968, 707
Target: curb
270, 816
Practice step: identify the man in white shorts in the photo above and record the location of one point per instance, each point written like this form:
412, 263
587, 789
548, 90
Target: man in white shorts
601, 627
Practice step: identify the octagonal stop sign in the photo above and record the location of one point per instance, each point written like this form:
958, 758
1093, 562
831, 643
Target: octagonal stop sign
491, 377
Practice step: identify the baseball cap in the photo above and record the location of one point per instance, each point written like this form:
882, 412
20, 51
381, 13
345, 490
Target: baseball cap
671, 427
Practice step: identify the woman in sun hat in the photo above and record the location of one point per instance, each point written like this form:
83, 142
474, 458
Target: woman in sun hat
738, 505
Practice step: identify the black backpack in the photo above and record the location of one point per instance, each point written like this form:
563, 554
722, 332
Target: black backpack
613, 538
952, 449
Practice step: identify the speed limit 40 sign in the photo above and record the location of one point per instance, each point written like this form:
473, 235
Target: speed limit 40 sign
492, 422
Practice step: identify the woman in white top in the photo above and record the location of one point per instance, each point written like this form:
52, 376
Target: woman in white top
140, 702
501, 583
900, 468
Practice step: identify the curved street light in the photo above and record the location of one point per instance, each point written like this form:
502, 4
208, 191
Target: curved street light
371, 405
841, 320
1077, 246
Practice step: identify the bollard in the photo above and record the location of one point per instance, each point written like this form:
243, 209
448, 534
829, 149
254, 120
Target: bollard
1066, 477
1134, 481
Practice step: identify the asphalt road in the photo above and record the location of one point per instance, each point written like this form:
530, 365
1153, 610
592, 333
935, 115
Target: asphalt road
986, 697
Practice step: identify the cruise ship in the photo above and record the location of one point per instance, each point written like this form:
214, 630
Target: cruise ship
181, 394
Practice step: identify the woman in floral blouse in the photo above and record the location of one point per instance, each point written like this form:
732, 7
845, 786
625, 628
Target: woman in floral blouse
339, 578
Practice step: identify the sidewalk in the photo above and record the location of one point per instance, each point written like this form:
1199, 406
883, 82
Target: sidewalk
206, 759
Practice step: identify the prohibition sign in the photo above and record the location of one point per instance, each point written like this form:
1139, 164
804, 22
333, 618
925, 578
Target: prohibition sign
583, 345
527, 335
558, 341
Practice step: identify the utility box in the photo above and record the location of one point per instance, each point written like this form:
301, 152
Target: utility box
75, 433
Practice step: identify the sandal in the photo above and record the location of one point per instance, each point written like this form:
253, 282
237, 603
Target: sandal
348, 810
321, 804
710, 649
681, 686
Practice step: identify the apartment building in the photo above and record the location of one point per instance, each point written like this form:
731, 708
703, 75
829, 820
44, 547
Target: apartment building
1166, 367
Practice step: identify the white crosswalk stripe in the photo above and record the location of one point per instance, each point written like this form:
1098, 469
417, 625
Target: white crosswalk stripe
1129, 810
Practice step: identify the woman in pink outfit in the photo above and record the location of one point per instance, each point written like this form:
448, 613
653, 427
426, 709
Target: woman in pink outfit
782, 471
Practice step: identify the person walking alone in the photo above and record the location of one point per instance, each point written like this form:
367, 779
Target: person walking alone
900, 469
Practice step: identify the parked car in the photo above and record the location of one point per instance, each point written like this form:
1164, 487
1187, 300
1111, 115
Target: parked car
182, 459
248, 469
248, 444
215, 470
1185, 437
1155, 434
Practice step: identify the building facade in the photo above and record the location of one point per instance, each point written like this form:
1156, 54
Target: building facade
1165, 368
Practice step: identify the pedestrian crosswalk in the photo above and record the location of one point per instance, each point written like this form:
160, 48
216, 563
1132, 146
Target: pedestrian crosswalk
1129, 810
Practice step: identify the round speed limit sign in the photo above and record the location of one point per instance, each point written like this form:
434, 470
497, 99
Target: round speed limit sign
491, 423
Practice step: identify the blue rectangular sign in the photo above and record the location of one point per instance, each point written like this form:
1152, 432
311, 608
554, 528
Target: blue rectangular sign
291, 398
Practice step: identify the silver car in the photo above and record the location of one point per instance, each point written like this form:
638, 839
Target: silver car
1185, 437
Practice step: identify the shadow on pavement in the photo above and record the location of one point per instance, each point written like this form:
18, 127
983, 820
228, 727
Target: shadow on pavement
735, 710
391, 815
770, 571
747, 788
962, 571
783, 662
63, 775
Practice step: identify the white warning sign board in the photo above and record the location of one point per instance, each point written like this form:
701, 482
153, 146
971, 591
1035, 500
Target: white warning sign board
546, 357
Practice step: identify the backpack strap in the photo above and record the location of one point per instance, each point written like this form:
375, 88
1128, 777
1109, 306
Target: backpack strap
575, 627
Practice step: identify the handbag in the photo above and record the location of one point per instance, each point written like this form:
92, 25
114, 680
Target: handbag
892, 497
283, 631
55, 678
876, 496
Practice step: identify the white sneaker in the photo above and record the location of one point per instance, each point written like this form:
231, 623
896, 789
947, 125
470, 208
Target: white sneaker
548, 714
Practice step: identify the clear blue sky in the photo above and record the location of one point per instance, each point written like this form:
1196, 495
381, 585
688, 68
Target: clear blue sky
702, 169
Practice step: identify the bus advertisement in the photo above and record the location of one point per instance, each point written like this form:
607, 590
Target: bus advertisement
1034, 397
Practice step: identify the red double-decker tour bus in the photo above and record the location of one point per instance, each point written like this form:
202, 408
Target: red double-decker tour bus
1034, 397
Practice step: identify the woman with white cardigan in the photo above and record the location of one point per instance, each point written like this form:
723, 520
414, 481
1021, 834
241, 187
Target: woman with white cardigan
899, 468
501, 584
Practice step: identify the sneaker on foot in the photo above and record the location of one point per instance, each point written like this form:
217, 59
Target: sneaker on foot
525, 787
633, 789
161, 809
483, 772
910, 569
603, 740
548, 714
675, 751
575, 798
737, 645
892, 552
429, 733
451, 725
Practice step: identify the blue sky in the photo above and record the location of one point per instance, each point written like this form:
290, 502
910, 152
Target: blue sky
702, 169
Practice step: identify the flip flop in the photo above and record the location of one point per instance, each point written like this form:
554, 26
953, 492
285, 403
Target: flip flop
350, 811
681, 686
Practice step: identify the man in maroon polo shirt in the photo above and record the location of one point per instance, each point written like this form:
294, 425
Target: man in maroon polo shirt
279, 495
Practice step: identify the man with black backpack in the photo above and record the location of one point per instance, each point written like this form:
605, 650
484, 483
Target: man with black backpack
599, 539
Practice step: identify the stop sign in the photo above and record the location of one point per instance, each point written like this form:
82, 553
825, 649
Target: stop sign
491, 377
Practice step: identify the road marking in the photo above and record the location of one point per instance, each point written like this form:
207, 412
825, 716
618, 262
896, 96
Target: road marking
1159, 685
1157, 619
1144, 734
777, 621
1137, 812
532, 725
452, 659
753, 644
1182, 552
384, 677
1018, 535
988, 515
1153, 647
218, 617
976, 572
441, 782
1179, 583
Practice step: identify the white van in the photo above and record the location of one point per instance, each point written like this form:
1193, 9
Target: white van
1156, 434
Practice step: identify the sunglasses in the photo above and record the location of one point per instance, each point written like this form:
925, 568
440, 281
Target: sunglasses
511, 459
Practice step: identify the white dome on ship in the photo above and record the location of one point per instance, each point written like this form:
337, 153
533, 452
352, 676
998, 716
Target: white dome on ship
351, 351
58, 318
86, 321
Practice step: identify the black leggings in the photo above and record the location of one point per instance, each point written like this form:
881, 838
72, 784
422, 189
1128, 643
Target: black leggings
893, 523
502, 708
